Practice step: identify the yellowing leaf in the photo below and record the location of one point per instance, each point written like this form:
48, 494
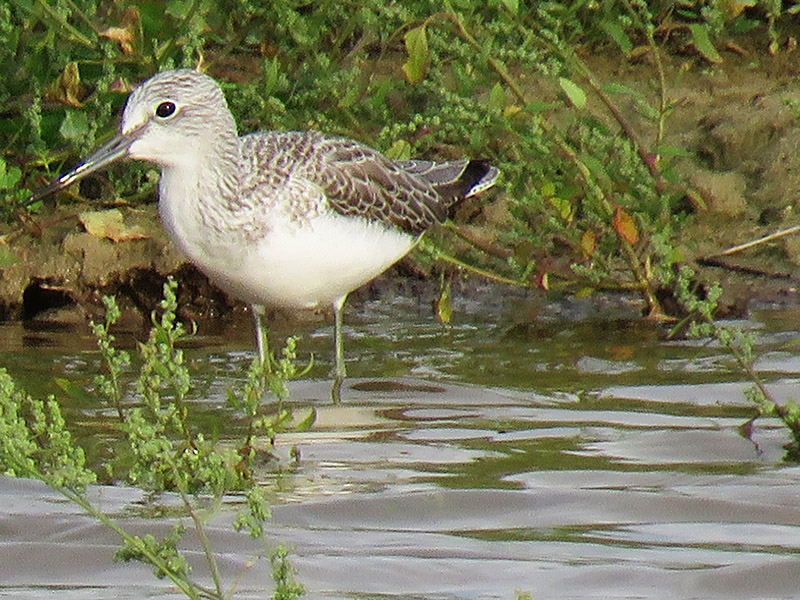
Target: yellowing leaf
548, 189
124, 37
67, 89
733, 8
444, 305
125, 33
589, 243
416, 66
626, 227
543, 281
400, 150
109, 224
564, 208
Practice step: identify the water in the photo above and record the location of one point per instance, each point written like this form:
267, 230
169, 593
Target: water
578, 455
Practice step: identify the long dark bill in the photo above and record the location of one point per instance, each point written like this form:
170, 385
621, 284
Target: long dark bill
116, 149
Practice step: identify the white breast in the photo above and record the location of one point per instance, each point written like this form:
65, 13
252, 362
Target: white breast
317, 264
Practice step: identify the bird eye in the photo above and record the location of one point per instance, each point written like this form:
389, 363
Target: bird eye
165, 109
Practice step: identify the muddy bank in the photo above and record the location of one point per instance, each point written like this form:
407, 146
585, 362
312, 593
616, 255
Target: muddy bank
738, 119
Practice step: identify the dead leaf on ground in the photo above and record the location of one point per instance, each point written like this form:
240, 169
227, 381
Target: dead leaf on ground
124, 37
110, 224
125, 33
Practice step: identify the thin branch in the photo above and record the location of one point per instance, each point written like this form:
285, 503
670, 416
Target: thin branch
478, 271
716, 261
183, 584
761, 240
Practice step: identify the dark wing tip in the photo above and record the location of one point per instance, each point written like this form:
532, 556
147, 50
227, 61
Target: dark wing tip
466, 179
479, 175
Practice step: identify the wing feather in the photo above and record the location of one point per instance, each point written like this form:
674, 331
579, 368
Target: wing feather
308, 171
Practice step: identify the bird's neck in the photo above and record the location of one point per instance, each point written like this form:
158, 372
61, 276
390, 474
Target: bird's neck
199, 198
219, 179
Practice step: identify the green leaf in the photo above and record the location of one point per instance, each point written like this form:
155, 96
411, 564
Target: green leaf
416, 66
512, 6
744, 25
497, 98
563, 207
75, 391
616, 33
621, 88
536, 108
7, 257
178, 8
74, 126
702, 41
400, 150
667, 150
9, 178
308, 422
272, 77
647, 109
597, 168
573, 91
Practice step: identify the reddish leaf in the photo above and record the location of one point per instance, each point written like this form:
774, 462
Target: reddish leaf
626, 227
622, 352
543, 281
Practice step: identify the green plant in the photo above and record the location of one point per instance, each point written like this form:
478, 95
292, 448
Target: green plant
700, 303
10, 194
166, 452
286, 588
596, 200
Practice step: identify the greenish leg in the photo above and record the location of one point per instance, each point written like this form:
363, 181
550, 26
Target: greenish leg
340, 371
262, 342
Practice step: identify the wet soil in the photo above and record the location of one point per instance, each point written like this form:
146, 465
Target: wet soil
739, 119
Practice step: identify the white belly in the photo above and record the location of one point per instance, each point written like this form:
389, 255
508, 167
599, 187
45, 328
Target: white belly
303, 267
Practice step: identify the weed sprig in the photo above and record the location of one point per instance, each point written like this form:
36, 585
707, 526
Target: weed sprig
165, 453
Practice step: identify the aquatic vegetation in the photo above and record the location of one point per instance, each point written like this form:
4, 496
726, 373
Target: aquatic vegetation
700, 305
164, 451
